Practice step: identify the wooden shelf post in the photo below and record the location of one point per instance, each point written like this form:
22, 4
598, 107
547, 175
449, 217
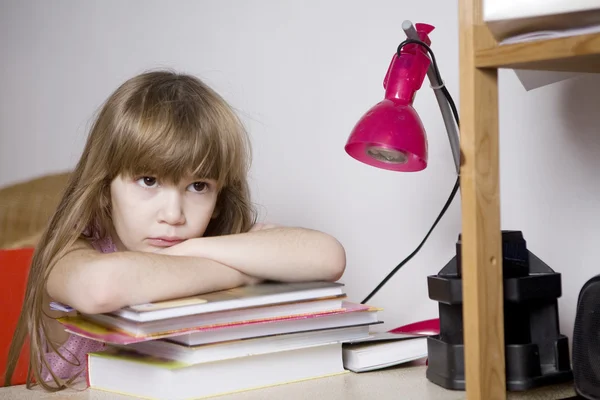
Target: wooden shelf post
481, 236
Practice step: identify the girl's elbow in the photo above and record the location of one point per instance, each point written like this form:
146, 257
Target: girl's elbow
100, 296
80, 290
96, 300
336, 261
99, 301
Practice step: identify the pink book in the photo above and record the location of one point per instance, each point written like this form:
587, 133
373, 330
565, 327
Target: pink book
341, 317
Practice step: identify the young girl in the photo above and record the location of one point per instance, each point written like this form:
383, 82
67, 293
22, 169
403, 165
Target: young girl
158, 207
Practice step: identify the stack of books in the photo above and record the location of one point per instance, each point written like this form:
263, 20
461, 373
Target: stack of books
240, 339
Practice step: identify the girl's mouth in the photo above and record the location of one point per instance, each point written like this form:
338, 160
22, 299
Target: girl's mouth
164, 241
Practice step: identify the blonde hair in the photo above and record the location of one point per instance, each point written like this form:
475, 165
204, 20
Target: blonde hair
161, 124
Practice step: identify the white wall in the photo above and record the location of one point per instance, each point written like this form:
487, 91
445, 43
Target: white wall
301, 74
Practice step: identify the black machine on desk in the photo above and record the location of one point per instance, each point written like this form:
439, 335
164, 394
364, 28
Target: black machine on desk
536, 352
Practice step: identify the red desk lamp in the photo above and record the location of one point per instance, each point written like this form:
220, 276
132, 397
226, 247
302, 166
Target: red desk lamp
390, 135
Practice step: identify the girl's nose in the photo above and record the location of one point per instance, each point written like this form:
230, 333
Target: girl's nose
171, 210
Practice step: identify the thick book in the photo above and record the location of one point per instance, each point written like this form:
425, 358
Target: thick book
262, 294
149, 377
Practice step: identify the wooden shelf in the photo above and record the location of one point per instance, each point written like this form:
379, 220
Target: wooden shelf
480, 57
575, 53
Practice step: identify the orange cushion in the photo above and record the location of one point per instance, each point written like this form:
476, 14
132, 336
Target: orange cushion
14, 268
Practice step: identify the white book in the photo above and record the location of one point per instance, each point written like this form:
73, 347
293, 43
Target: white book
151, 378
326, 321
164, 348
261, 294
383, 350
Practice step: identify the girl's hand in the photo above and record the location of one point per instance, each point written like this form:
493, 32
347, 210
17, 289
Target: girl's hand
183, 249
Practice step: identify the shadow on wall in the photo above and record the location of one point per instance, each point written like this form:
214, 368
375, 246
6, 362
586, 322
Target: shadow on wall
580, 120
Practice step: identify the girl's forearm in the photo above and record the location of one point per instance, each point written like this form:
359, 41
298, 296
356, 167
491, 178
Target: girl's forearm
161, 278
92, 282
282, 254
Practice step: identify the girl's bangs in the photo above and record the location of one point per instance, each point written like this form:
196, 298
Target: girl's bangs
172, 151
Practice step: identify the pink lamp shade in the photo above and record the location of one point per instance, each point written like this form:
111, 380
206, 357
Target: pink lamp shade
391, 135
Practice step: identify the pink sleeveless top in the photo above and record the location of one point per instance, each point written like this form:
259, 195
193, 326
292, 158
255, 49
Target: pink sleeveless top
75, 349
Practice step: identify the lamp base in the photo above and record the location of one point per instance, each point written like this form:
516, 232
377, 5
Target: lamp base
535, 351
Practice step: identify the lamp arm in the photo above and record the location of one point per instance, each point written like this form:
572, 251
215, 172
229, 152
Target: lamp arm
447, 116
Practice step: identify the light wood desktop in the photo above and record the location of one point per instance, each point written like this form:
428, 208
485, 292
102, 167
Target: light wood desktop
404, 382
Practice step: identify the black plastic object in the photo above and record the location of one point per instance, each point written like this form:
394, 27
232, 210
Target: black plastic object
536, 353
586, 341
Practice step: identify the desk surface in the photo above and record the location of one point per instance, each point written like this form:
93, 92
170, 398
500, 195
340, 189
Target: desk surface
405, 382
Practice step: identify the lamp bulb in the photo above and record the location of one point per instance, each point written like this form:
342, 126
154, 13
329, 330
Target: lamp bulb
388, 156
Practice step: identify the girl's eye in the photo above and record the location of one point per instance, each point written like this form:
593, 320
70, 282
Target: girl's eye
198, 187
147, 181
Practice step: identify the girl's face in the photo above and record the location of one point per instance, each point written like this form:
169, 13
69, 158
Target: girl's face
149, 215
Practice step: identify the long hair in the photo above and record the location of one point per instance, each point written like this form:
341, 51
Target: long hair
159, 123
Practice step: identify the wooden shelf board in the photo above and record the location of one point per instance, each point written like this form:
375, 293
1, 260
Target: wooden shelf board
575, 53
